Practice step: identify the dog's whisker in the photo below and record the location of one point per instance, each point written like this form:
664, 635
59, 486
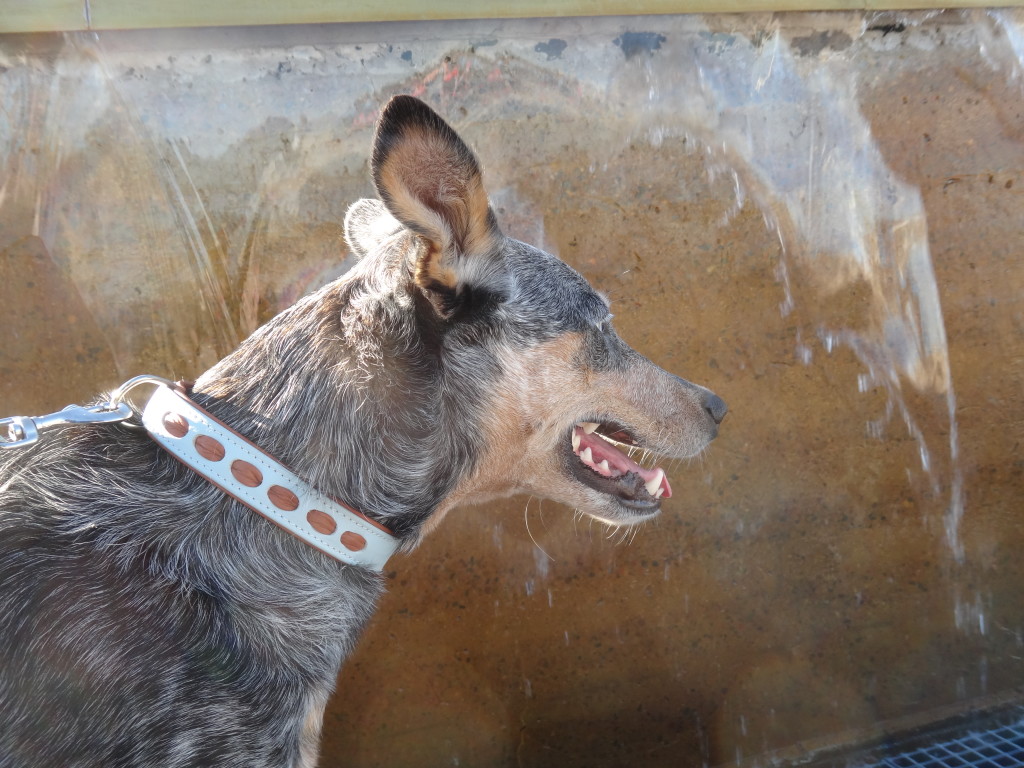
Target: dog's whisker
526, 520
577, 515
632, 534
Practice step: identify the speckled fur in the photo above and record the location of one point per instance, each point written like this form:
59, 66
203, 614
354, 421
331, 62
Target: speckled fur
146, 619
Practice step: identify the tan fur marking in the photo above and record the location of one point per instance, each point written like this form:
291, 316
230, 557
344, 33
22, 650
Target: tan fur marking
431, 268
539, 390
309, 741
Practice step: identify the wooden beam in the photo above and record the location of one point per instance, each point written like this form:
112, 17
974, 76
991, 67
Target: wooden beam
60, 15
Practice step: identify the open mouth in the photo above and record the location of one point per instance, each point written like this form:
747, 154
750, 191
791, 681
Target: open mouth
603, 462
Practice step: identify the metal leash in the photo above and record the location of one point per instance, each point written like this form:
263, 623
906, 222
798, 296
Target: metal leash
23, 431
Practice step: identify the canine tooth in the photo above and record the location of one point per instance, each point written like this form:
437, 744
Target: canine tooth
587, 456
657, 493
604, 466
654, 483
589, 426
575, 441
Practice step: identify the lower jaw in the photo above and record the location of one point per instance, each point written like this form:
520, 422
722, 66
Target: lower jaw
640, 507
616, 509
623, 516
617, 490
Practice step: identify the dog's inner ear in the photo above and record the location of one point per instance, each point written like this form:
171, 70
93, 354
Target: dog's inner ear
431, 182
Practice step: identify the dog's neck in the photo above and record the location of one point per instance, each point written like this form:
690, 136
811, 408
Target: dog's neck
244, 471
346, 417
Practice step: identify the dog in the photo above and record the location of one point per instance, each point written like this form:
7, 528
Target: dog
148, 617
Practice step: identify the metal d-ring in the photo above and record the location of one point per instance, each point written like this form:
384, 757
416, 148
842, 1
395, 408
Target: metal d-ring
119, 395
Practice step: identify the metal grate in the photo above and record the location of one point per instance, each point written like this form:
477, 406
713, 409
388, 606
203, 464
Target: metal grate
1001, 746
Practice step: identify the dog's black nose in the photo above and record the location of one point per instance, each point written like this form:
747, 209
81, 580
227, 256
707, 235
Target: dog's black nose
715, 406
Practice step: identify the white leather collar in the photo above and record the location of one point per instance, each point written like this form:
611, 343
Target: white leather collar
262, 483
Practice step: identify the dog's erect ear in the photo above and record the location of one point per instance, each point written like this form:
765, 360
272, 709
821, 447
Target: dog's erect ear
431, 182
368, 224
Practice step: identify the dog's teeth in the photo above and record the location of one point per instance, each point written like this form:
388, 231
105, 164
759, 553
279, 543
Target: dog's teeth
654, 483
657, 493
603, 466
575, 441
587, 456
589, 426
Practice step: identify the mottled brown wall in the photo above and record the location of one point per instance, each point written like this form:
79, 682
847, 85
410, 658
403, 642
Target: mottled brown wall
773, 205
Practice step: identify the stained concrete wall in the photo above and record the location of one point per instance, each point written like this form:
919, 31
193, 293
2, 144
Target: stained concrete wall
816, 215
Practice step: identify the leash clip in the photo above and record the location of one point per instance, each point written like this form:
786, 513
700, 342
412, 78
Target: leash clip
23, 431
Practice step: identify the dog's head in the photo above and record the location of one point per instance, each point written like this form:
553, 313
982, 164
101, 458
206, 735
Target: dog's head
551, 401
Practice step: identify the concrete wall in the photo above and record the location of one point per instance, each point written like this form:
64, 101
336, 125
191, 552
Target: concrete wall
816, 215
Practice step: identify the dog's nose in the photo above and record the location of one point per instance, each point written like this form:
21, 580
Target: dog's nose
715, 406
